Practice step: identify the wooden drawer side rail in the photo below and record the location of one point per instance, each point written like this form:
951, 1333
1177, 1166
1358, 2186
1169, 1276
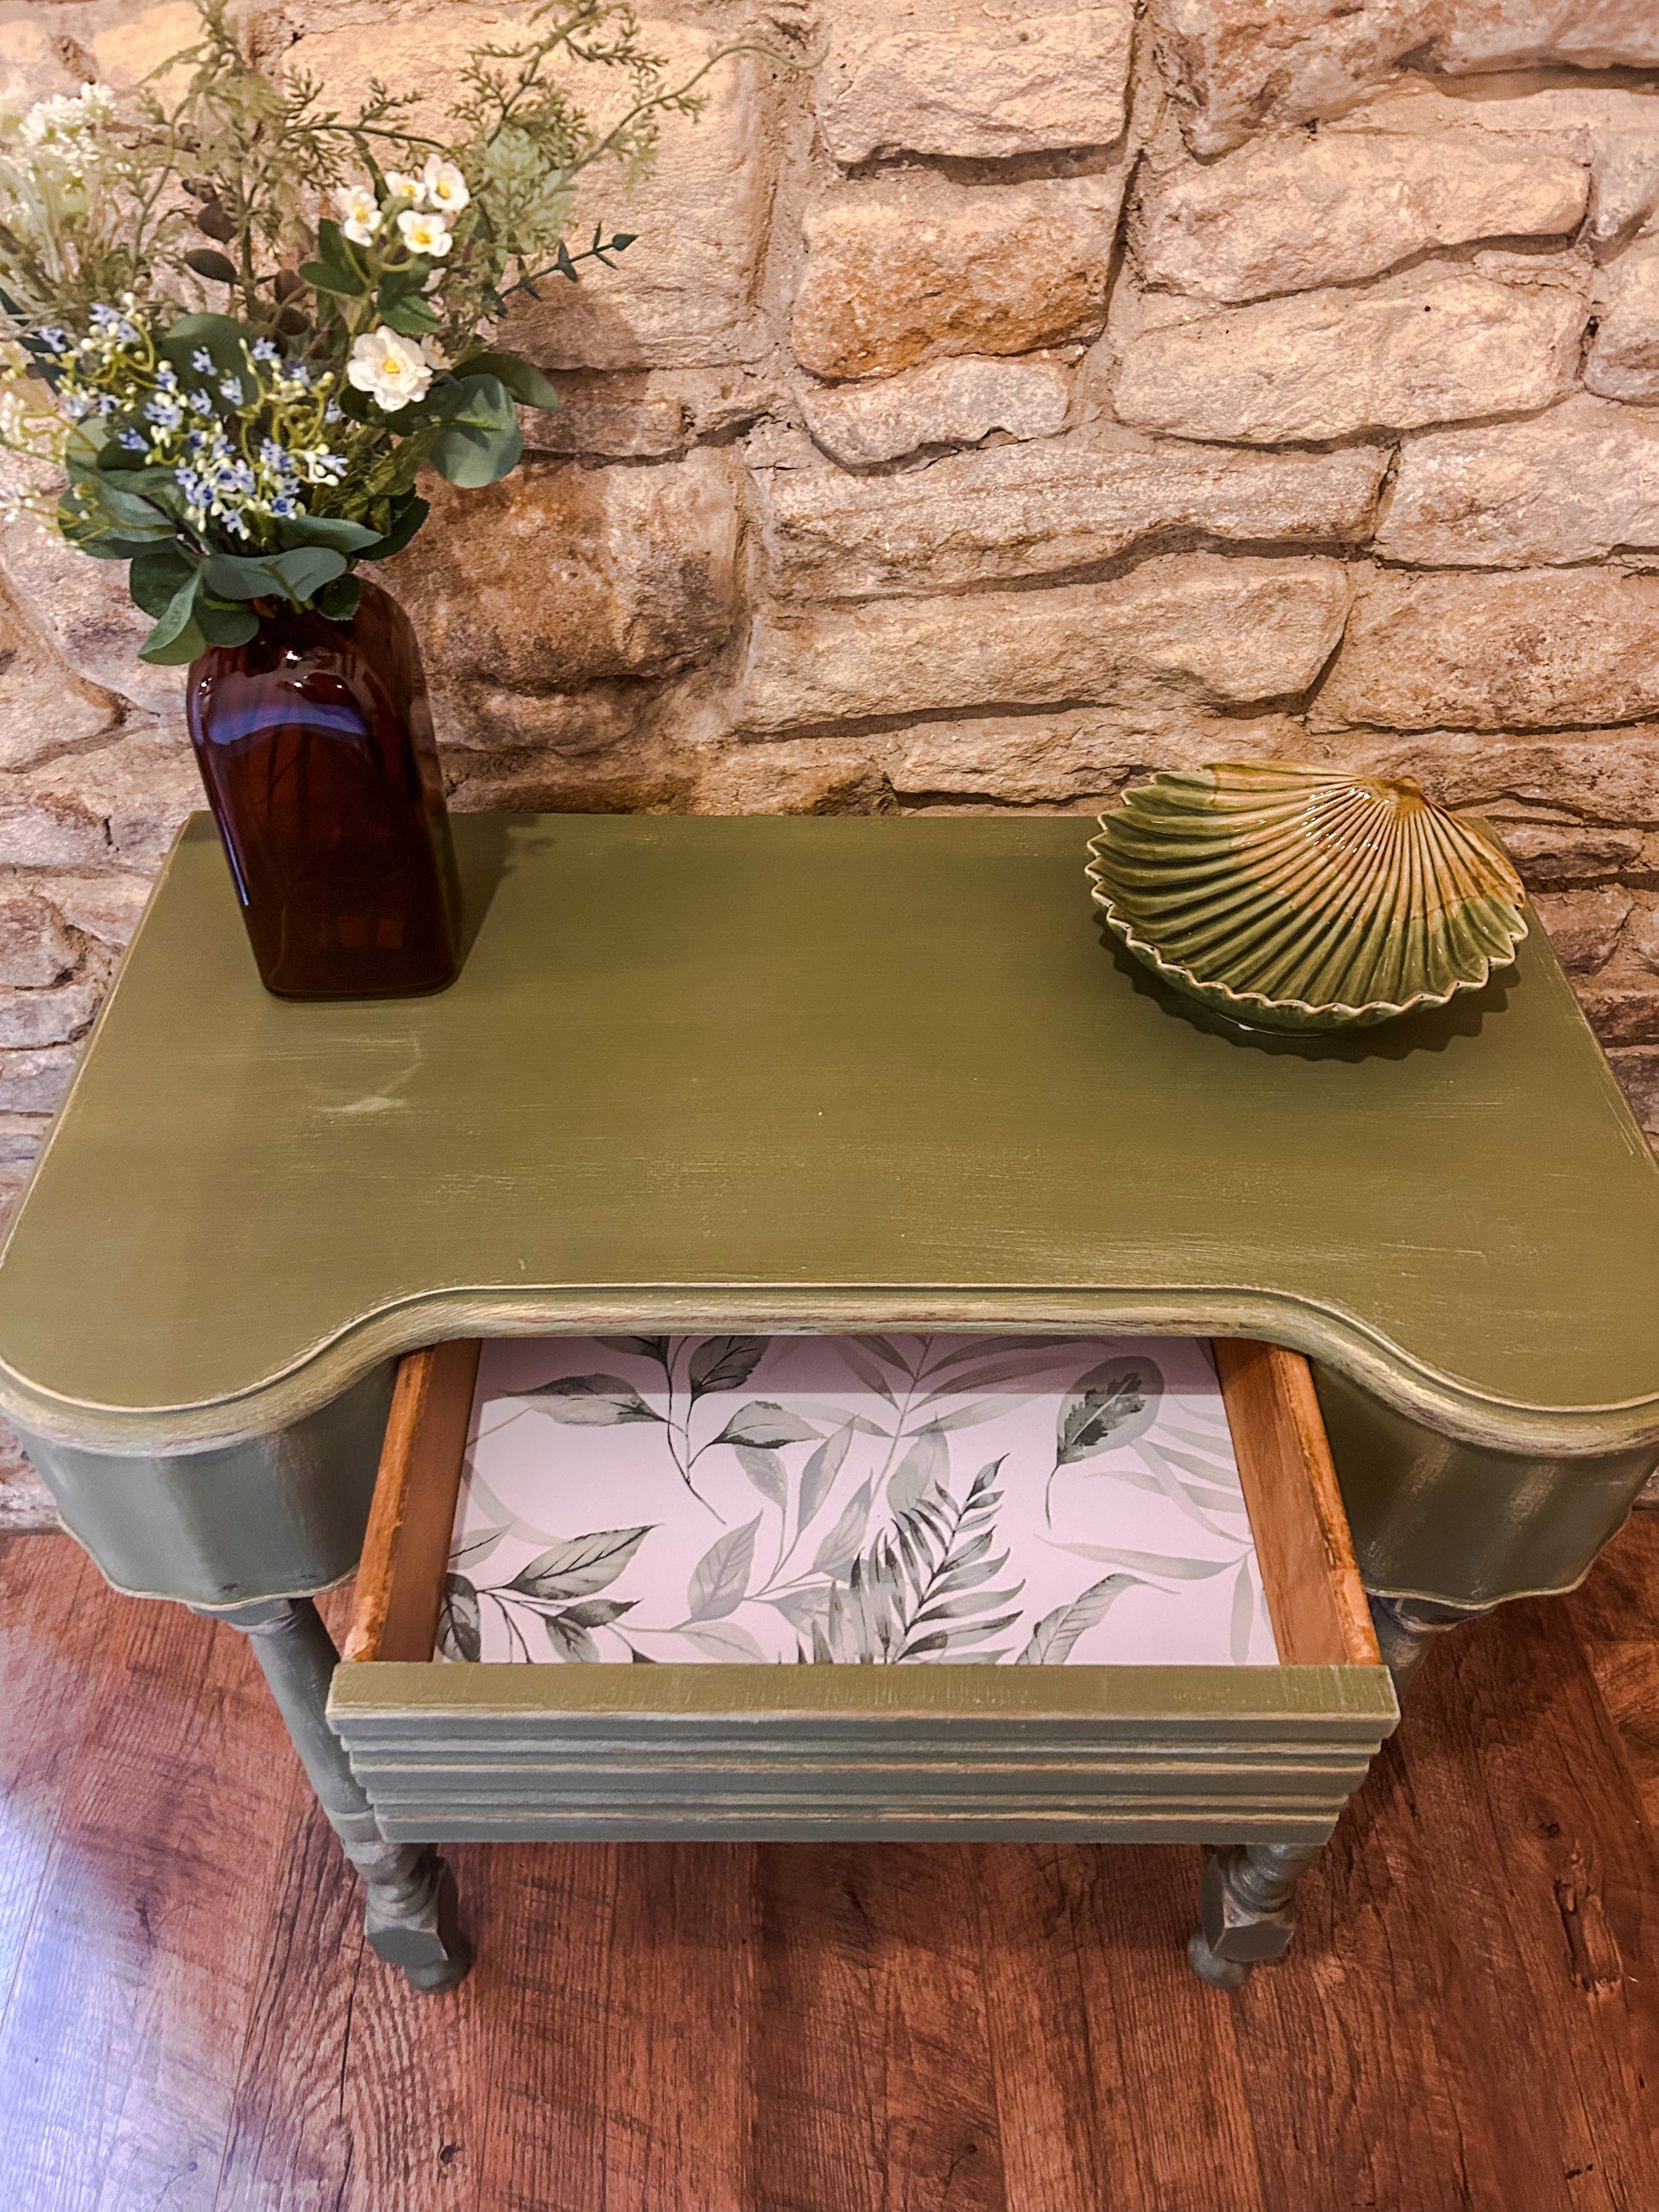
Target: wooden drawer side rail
1310, 1577
400, 1579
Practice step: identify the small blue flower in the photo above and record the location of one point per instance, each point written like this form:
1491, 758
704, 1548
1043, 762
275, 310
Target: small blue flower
200, 401
105, 319
231, 389
202, 362
54, 339
76, 405
135, 441
166, 377
284, 505
105, 404
333, 412
262, 349
165, 410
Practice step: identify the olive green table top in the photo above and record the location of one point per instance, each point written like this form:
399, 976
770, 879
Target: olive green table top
777, 1072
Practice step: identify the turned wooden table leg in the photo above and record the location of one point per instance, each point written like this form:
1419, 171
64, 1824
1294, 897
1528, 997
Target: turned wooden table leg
1407, 1627
1247, 1909
412, 1915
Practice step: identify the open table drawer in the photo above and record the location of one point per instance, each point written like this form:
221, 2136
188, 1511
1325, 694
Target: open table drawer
1263, 1751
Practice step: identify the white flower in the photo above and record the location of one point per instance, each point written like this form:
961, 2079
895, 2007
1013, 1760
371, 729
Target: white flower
403, 187
423, 233
389, 367
97, 103
443, 186
433, 355
360, 215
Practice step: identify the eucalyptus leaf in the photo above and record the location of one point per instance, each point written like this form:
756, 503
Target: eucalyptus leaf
724, 1363
175, 628
762, 1421
924, 1466
581, 1565
222, 624
1113, 1403
766, 1471
600, 1612
480, 441
724, 1639
568, 1639
818, 1475
719, 1580
336, 530
522, 379
459, 1630
839, 1547
593, 1401
412, 511
339, 601
1051, 1641
158, 575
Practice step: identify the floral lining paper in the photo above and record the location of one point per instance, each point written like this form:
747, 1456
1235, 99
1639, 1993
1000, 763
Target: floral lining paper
855, 1499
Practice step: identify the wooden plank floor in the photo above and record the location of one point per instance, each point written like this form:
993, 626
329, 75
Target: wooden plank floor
189, 2018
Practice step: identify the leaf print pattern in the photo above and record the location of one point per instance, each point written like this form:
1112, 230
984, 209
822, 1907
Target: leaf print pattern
877, 1500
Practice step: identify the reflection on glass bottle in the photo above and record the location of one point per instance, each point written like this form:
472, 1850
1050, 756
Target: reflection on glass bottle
315, 743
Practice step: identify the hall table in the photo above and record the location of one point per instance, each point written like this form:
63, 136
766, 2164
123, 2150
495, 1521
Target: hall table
803, 1075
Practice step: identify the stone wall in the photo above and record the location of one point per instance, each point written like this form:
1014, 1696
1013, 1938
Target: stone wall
1025, 398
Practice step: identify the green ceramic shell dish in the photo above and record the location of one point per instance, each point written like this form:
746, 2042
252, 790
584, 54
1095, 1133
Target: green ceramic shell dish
1296, 898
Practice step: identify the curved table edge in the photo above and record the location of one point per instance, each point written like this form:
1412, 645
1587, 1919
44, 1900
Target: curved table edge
1340, 1340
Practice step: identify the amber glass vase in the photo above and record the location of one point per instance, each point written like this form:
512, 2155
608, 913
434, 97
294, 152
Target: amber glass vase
315, 743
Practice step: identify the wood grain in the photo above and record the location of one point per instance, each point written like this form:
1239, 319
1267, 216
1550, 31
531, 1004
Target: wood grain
406, 1545
1468, 2020
1314, 1596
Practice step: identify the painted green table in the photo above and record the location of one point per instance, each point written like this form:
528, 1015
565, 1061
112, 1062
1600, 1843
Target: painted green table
781, 1073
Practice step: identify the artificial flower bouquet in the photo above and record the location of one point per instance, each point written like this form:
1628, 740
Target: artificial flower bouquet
241, 323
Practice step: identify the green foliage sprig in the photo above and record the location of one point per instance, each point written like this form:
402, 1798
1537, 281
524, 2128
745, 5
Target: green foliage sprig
258, 452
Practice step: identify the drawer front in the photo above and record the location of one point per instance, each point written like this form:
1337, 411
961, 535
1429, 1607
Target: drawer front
452, 1752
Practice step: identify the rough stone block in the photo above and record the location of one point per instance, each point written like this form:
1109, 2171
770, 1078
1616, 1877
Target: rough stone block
34, 1082
653, 414
1437, 344
1620, 1013
1638, 1070
1613, 130
947, 403
1642, 938
1584, 927
903, 272
83, 614
1233, 65
36, 951
1290, 215
1623, 362
980, 89
1548, 853
43, 708
562, 576
1532, 648
684, 293
122, 804
1570, 484
1220, 630
1018, 510
105, 907
1482, 35
28, 1018
1074, 758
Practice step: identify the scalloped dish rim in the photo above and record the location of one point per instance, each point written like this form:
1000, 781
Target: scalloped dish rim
1336, 1012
